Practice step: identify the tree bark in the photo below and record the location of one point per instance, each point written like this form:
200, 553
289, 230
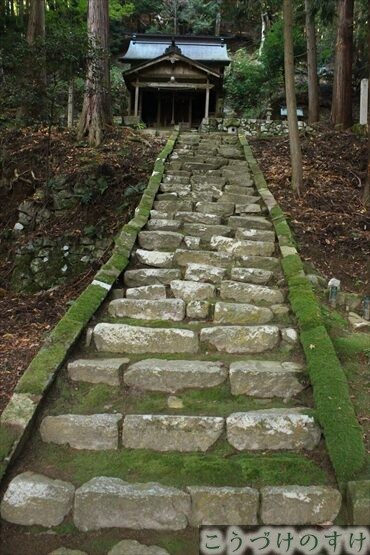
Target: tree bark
341, 112
366, 198
313, 81
96, 111
294, 139
36, 21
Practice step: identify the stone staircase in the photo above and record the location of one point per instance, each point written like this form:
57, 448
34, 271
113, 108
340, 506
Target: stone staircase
203, 306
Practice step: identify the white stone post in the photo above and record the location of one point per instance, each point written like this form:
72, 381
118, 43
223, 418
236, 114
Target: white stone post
136, 112
364, 101
206, 115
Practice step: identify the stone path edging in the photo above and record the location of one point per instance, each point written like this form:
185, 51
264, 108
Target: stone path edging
18, 415
334, 408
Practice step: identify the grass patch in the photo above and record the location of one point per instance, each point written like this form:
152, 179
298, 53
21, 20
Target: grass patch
85, 398
353, 344
179, 546
7, 438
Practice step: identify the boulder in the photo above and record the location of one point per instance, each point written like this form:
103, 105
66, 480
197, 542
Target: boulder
240, 339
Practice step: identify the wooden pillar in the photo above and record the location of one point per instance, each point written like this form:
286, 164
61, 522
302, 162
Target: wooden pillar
190, 110
173, 109
136, 111
159, 110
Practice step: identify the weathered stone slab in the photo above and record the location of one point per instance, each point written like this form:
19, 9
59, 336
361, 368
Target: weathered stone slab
209, 179
97, 370
199, 310
231, 152
120, 338
163, 225
172, 376
198, 218
33, 499
151, 292
206, 231
272, 429
180, 180
358, 496
204, 272
295, 505
159, 215
251, 275
240, 190
221, 259
192, 290
19, 411
142, 309
171, 433
239, 198
192, 243
263, 235
132, 547
266, 379
263, 262
242, 248
172, 205
222, 209
95, 432
150, 276
156, 240
240, 339
254, 222
225, 505
249, 293
240, 313
111, 503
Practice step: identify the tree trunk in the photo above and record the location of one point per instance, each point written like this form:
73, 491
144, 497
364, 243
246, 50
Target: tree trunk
313, 81
96, 111
341, 111
366, 198
294, 139
265, 26
70, 104
36, 21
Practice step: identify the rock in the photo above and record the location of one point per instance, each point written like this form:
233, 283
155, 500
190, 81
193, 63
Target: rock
265, 379
174, 402
206, 231
192, 290
249, 293
19, 411
97, 370
66, 551
141, 309
138, 278
162, 226
220, 259
96, 432
290, 336
173, 205
248, 209
132, 547
222, 209
357, 322
171, 433
242, 248
172, 376
157, 259
198, 218
299, 505
272, 429
112, 503
230, 152
150, 292
120, 338
358, 496
226, 505
204, 272
32, 499
251, 275
192, 243
262, 262
240, 339
238, 313
208, 181
153, 240
199, 310
228, 196
280, 310
157, 215
255, 235
254, 222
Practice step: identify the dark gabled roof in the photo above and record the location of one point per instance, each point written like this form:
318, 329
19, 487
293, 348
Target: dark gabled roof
200, 49
171, 55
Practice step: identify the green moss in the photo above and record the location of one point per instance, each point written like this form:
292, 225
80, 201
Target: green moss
304, 305
283, 229
292, 265
179, 546
277, 213
7, 439
353, 344
87, 304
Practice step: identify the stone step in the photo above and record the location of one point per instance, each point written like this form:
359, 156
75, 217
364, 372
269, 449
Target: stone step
206, 232
180, 179
122, 338
173, 376
240, 190
267, 379
263, 235
248, 209
156, 259
141, 309
203, 196
250, 293
127, 547
198, 310
173, 205
269, 263
167, 196
150, 276
222, 209
158, 215
240, 339
198, 218
174, 188
177, 173
207, 180
98, 370
242, 248
192, 290
273, 429
192, 243
95, 432
160, 240
231, 152
203, 188
171, 433
201, 167
241, 313
205, 273
183, 258
239, 199
163, 225
251, 275
249, 222
149, 292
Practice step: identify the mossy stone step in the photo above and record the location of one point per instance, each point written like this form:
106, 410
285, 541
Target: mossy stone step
242, 248
142, 309
223, 209
95, 371
198, 218
156, 259
250, 293
240, 339
150, 276
150, 292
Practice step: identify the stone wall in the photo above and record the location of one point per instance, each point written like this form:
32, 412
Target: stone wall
251, 127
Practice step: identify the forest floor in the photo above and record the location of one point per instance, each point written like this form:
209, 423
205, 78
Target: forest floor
26, 162
330, 223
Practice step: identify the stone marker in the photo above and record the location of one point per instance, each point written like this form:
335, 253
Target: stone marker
299, 505
272, 429
150, 292
358, 496
241, 339
157, 259
96, 432
172, 376
98, 370
171, 433
112, 503
32, 499
192, 290
132, 547
121, 338
141, 309
224, 505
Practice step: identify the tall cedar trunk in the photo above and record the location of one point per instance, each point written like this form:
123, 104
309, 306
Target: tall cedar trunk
341, 111
37, 72
313, 81
96, 111
36, 21
294, 139
367, 184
